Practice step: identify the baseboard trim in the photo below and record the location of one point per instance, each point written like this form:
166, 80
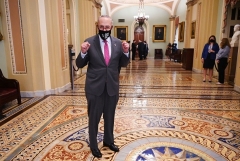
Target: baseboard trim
41, 93
196, 70
237, 88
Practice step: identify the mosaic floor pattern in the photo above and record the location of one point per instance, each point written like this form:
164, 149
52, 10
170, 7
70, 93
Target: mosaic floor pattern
164, 113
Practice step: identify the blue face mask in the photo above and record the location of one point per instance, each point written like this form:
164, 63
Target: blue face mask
104, 34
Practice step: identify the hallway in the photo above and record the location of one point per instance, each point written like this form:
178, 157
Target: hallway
164, 113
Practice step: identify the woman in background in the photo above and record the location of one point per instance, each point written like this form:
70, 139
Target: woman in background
222, 59
168, 50
208, 57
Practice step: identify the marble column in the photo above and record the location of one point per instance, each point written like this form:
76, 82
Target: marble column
172, 29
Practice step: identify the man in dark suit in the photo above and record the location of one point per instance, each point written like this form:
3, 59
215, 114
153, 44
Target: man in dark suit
133, 49
174, 48
103, 54
141, 49
145, 49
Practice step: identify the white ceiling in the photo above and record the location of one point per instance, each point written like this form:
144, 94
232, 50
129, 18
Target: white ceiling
137, 1
114, 5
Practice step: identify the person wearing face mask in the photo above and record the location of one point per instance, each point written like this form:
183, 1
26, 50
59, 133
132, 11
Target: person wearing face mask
222, 59
208, 57
103, 54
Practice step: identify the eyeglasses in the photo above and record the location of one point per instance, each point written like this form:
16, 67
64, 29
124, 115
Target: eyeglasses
105, 27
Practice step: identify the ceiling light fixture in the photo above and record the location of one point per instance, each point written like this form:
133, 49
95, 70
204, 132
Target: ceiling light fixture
141, 17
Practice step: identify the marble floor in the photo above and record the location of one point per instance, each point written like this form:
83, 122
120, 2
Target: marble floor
164, 113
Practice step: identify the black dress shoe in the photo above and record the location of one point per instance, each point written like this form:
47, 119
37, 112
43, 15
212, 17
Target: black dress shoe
96, 153
112, 146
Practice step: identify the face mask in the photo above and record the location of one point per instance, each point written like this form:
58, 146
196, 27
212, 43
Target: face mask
104, 34
212, 40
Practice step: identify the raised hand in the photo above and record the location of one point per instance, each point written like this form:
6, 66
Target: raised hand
125, 47
84, 47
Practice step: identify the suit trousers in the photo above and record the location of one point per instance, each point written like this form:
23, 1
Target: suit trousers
141, 54
98, 105
221, 69
133, 55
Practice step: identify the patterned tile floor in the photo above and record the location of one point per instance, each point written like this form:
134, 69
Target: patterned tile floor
164, 113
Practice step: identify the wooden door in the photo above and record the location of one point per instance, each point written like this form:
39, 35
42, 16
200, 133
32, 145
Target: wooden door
232, 64
138, 35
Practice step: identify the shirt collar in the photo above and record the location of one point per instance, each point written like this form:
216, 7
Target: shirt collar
101, 40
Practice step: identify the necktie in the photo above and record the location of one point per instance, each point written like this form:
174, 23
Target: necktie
106, 52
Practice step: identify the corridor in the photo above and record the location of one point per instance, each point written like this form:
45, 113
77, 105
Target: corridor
164, 113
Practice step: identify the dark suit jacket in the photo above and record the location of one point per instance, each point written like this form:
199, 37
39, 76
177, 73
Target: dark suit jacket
140, 47
212, 55
133, 47
98, 73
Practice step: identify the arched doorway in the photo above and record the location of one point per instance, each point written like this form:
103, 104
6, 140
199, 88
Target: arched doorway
138, 35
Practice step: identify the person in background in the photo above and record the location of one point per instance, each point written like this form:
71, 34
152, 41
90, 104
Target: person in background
174, 48
103, 54
209, 52
169, 46
134, 49
168, 50
145, 49
222, 59
141, 49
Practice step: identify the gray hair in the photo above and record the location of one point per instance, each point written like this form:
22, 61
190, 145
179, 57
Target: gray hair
106, 17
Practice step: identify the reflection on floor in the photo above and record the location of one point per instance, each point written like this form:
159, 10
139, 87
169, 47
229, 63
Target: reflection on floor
164, 113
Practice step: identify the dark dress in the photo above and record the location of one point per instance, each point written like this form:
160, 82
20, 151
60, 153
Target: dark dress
209, 63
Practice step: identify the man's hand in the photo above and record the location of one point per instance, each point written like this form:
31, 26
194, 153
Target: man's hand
217, 61
202, 60
125, 47
84, 47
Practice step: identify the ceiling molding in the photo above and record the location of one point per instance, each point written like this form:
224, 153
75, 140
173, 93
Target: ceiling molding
168, 5
113, 6
97, 3
192, 2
